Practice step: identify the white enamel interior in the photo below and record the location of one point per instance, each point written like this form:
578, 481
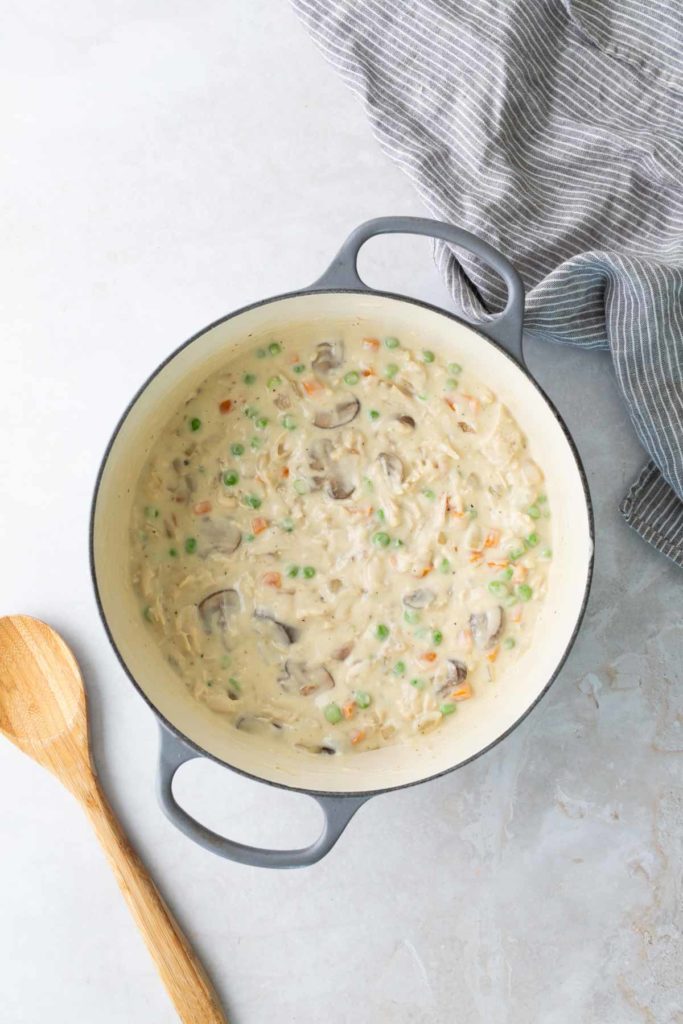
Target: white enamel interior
481, 721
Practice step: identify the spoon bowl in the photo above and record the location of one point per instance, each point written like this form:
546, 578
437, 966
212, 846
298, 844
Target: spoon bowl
43, 712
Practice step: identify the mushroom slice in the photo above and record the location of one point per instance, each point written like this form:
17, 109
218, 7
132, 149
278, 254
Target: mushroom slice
270, 629
223, 536
406, 421
315, 748
339, 489
392, 466
330, 356
258, 724
342, 653
299, 677
341, 414
318, 454
456, 674
486, 627
216, 609
419, 598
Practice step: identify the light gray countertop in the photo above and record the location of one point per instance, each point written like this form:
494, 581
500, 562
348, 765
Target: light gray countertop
163, 164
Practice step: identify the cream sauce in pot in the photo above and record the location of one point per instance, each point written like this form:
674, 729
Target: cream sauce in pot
336, 544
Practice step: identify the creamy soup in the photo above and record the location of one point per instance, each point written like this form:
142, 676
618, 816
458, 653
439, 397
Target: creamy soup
338, 542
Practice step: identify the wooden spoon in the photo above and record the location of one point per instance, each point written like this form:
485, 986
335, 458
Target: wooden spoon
42, 710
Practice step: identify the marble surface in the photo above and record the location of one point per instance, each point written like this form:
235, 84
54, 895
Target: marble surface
163, 163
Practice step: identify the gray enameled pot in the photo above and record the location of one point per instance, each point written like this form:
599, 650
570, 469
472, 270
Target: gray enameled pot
494, 350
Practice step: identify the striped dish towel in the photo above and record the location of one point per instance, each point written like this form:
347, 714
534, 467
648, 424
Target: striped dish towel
554, 130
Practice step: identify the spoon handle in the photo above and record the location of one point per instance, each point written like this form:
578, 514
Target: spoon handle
180, 970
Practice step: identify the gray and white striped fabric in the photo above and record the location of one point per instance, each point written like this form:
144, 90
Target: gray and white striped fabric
554, 129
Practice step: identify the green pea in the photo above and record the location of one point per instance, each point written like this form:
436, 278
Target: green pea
255, 443
363, 699
261, 422
452, 383
173, 552
382, 631
234, 684
287, 524
497, 587
252, 501
444, 565
230, 478
151, 512
382, 540
524, 592
428, 356
260, 353
275, 348
288, 422
250, 411
380, 515
515, 553
391, 342
399, 668
195, 423
508, 643
373, 414
532, 540
249, 537
299, 368
191, 545
293, 572
391, 370
300, 486
541, 499
437, 637
274, 382
237, 449
429, 494
147, 613
333, 714
351, 377
411, 617
533, 512
447, 709
455, 369
309, 572
419, 684
507, 573
249, 378
546, 553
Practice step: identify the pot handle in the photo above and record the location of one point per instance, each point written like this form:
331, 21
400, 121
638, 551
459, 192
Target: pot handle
338, 811
505, 328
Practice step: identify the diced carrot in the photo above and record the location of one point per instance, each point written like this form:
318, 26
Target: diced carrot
285, 471
349, 709
428, 656
202, 508
312, 385
450, 404
371, 343
492, 538
294, 358
369, 373
519, 573
426, 571
497, 565
272, 579
358, 736
474, 403
259, 524
225, 405
465, 639
492, 655
463, 692
475, 556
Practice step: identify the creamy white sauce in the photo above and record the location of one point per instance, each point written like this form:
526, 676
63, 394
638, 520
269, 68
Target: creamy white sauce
336, 544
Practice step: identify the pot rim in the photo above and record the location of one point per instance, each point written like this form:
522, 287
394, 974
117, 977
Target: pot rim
181, 736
